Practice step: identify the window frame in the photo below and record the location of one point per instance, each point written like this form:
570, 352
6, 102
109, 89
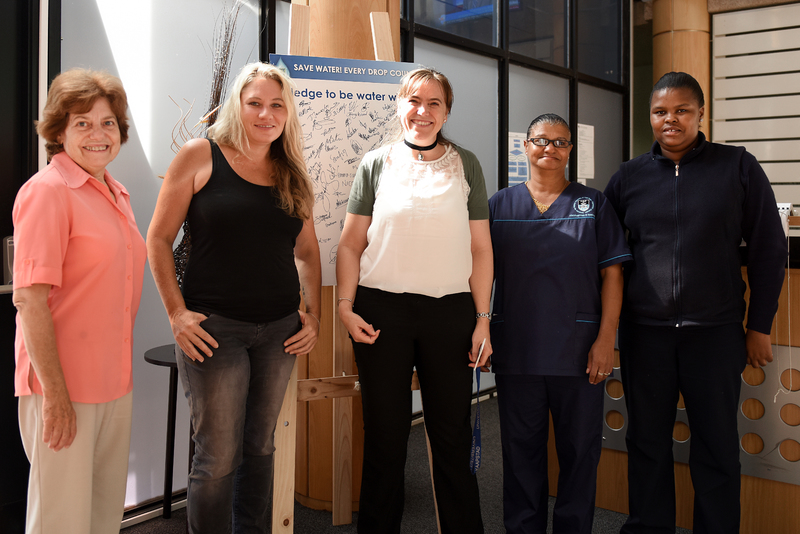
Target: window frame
411, 30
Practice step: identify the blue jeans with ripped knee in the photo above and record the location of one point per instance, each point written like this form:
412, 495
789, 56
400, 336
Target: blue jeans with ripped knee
235, 397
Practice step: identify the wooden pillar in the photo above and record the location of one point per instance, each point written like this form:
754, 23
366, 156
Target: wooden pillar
682, 43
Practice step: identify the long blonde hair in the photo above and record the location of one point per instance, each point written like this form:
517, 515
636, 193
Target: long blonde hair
292, 183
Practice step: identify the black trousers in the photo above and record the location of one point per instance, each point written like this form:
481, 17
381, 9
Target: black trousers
705, 364
435, 336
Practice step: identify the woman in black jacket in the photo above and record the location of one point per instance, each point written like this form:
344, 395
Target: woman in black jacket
687, 205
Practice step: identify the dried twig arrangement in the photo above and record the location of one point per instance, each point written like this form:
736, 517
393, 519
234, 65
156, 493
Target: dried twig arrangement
222, 47
181, 132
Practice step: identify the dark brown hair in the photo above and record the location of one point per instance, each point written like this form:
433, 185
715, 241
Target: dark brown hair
76, 91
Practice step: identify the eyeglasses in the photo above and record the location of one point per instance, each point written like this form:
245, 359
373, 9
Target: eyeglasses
558, 143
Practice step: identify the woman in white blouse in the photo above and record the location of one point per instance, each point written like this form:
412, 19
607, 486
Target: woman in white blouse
414, 270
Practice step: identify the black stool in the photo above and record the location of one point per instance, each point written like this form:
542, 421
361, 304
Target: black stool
165, 357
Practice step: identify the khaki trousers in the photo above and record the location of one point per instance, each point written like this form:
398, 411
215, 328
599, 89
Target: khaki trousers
81, 489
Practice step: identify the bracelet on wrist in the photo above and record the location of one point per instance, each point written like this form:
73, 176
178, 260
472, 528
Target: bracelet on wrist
315, 317
484, 316
344, 298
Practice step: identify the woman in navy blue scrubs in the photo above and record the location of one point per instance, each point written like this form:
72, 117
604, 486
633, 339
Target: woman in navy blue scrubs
558, 249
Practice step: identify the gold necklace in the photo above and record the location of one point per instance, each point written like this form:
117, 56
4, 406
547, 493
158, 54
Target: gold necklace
543, 207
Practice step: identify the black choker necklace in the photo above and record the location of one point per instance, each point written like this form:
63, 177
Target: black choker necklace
421, 149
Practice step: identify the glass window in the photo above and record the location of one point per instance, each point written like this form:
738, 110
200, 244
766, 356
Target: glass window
282, 20
600, 39
538, 29
532, 93
473, 19
603, 110
473, 121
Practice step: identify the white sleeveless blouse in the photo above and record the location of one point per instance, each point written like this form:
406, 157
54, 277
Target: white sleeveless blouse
419, 239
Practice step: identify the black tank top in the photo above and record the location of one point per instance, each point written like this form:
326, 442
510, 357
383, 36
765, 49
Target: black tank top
241, 265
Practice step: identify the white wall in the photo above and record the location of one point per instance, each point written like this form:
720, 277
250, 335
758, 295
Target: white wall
159, 49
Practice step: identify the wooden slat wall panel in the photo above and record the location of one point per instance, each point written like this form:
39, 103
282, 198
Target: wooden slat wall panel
782, 172
756, 20
752, 43
778, 128
773, 150
776, 84
756, 71
752, 108
765, 64
787, 193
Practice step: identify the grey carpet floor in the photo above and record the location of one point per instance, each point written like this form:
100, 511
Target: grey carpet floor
419, 516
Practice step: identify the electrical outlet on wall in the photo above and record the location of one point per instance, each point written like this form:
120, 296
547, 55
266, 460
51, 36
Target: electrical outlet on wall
785, 210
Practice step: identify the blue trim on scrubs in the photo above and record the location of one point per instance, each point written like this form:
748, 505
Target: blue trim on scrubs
547, 295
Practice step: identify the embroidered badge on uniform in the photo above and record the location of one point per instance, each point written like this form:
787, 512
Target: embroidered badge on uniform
583, 205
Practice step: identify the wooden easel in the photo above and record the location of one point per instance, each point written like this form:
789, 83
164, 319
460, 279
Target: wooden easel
341, 386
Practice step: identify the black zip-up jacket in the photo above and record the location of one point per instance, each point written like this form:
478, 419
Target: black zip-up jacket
685, 224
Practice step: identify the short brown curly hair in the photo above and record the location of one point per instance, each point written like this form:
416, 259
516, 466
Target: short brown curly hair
76, 91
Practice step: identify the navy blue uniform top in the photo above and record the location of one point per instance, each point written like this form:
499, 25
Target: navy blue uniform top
547, 269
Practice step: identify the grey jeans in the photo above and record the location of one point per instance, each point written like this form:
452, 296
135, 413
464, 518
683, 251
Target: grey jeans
235, 397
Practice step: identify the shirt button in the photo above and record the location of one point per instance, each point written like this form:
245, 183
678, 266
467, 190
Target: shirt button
122, 217
27, 262
126, 340
130, 247
129, 277
127, 309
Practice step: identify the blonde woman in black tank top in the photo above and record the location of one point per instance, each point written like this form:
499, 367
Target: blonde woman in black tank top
237, 326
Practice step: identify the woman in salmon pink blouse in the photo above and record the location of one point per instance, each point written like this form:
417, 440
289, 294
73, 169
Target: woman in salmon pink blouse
78, 269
